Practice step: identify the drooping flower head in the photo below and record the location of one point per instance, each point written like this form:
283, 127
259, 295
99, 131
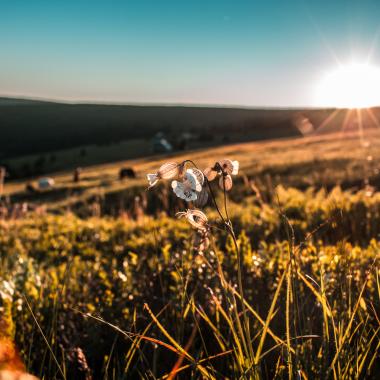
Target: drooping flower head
166, 171
229, 167
191, 185
195, 217
225, 169
225, 182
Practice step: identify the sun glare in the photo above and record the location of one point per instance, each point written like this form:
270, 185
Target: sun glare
351, 86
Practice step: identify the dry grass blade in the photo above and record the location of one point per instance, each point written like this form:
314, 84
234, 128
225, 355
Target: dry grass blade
180, 359
214, 329
182, 351
365, 354
180, 369
136, 344
45, 339
281, 344
239, 353
262, 322
269, 317
321, 298
287, 321
348, 328
130, 335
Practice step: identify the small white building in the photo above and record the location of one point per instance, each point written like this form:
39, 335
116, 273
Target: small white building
160, 144
46, 183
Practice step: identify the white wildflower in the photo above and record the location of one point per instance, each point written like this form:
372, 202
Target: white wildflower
192, 184
122, 276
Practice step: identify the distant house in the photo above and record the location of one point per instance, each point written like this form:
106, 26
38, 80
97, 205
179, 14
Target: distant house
46, 183
160, 144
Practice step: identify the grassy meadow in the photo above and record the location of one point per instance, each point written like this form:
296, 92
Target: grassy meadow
100, 280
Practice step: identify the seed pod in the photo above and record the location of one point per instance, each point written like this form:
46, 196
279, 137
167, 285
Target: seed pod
195, 217
202, 198
210, 173
225, 182
168, 170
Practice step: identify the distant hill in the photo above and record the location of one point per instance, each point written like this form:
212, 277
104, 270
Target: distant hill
33, 127
29, 127
21, 102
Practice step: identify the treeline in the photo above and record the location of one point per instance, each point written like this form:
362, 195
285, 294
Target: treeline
33, 128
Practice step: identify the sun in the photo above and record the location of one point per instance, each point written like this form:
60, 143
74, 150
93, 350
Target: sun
350, 86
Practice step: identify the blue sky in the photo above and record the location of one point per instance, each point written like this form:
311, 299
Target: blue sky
227, 52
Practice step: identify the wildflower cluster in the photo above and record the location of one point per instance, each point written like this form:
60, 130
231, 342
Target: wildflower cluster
191, 185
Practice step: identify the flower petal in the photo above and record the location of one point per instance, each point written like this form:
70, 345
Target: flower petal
235, 169
192, 179
152, 179
198, 174
184, 192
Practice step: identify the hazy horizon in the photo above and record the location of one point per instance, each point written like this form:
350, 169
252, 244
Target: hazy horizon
172, 104
158, 104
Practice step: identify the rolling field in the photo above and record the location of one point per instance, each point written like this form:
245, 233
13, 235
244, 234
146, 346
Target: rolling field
345, 159
100, 280
61, 136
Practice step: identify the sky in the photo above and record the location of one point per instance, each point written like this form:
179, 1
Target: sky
211, 52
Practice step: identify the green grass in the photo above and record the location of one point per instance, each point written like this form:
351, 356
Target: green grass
127, 288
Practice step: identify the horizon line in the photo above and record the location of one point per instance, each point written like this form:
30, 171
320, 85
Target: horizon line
166, 104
